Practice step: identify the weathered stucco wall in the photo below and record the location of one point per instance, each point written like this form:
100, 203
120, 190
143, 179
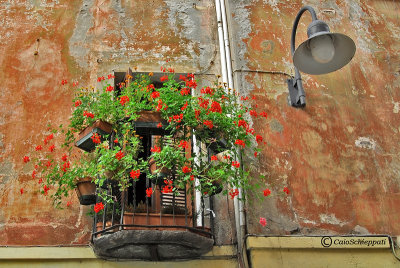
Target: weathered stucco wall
44, 42
340, 155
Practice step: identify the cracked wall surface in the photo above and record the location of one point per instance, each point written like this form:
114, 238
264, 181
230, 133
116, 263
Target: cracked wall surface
44, 42
340, 155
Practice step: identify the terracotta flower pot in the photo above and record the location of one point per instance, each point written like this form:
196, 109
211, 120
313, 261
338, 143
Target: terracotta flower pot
86, 191
85, 141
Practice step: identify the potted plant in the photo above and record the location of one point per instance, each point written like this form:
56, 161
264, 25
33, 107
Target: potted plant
216, 116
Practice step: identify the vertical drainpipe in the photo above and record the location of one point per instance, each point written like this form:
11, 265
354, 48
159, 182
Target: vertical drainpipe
227, 77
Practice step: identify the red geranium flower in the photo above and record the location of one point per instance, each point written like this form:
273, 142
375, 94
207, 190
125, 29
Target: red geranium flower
38, 148
96, 138
21, 190
64, 158
186, 169
208, 123
164, 78
98, 207
155, 94
135, 174
215, 107
52, 148
183, 144
119, 155
64, 82
77, 103
235, 164
88, 114
214, 157
26, 159
155, 149
149, 192
286, 190
69, 203
110, 76
233, 193
34, 174
45, 189
259, 138
253, 113
263, 221
240, 142
48, 163
267, 192
110, 88
159, 125
123, 100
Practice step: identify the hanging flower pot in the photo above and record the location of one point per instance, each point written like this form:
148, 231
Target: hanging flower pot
86, 191
86, 140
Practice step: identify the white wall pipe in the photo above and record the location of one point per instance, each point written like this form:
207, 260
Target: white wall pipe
226, 45
221, 41
227, 76
197, 193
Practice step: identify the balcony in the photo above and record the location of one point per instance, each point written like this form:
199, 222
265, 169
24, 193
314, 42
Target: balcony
164, 226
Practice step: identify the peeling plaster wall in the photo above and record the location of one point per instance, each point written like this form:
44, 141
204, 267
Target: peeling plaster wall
340, 155
43, 42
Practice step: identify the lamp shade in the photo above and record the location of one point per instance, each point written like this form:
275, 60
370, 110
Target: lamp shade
344, 50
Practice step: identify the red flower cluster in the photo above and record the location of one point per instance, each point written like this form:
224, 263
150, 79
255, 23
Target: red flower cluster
98, 207
191, 83
64, 158
240, 142
155, 94
159, 125
267, 192
155, 149
123, 100
88, 114
119, 155
66, 166
183, 144
259, 138
45, 189
135, 174
159, 105
110, 88
111, 76
263, 114
177, 118
186, 169
77, 103
253, 113
233, 193
26, 159
214, 157
64, 82
203, 102
235, 164
185, 91
263, 221
184, 106
215, 107
48, 163
48, 138
286, 190
96, 138
38, 148
208, 123
149, 192
207, 90
52, 148
164, 78
101, 78
168, 187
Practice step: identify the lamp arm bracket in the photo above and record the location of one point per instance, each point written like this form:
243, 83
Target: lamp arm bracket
296, 23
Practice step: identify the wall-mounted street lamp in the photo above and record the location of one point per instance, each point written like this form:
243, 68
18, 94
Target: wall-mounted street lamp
323, 52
